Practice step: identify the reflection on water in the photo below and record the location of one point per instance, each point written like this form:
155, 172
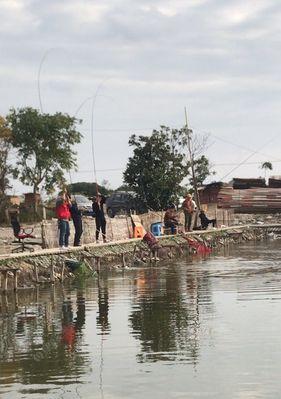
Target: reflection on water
165, 321
189, 328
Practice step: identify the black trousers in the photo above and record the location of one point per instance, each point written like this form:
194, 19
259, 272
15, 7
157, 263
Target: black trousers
100, 225
78, 231
206, 223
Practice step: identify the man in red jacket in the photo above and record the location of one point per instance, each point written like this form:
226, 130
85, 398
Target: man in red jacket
63, 214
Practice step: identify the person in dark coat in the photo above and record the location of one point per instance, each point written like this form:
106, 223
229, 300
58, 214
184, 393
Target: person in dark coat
76, 215
98, 210
205, 221
171, 218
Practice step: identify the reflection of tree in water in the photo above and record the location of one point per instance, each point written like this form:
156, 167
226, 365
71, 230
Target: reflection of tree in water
165, 322
47, 347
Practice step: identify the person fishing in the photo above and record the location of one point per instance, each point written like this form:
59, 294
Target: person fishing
98, 213
76, 215
63, 205
171, 218
188, 207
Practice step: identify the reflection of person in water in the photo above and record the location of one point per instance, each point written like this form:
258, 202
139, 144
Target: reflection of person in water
80, 314
102, 319
70, 327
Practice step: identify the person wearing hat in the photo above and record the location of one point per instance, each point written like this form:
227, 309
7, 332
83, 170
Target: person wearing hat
98, 210
188, 206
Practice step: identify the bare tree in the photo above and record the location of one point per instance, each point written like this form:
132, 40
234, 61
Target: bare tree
5, 167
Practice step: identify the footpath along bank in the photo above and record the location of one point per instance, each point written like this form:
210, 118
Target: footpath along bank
26, 269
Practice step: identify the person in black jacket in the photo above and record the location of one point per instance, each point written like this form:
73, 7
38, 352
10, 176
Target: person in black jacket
76, 215
98, 205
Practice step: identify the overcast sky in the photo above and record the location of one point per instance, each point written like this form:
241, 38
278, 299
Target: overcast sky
150, 59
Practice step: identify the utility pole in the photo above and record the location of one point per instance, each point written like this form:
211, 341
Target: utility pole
189, 147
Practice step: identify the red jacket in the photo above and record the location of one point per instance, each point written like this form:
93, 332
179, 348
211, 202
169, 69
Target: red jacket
63, 211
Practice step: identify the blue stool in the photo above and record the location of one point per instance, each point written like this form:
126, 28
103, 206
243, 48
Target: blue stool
156, 229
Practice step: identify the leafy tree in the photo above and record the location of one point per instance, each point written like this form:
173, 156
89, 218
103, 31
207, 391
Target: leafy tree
160, 163
123, 187
202, 170
44, 146
87, 189
266, 166
157, 168
5, 167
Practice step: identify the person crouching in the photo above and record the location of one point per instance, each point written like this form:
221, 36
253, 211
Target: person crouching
205, 221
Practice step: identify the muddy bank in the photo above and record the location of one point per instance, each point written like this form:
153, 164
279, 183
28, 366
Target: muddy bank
48, 266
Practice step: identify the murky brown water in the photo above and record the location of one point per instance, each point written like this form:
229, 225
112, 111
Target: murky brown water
185, 329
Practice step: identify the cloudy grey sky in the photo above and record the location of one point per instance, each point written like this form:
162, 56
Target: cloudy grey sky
219, 58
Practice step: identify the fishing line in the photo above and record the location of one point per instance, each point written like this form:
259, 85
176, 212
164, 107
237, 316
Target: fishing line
241, 146
92, 132
45, 55
246, 159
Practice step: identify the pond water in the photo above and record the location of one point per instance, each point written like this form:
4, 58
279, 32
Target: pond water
188, 328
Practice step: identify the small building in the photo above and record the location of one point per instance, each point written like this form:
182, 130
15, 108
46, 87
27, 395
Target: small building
14, 200
274, 182
209, 194
30, 199
244, 200
245, 183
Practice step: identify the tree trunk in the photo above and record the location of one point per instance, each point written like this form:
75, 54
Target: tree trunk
35, 204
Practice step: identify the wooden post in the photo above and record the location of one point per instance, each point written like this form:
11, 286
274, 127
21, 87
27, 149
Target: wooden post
5, 273
216, 217
52, 271
43, 234
62, 271
36, 274
123, 260
44, 213
191, 159
97, 262
16, 301
15, 279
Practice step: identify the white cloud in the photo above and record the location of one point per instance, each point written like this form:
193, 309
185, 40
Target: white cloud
16, 17
171, 8
83, 12
219, 57
241, 12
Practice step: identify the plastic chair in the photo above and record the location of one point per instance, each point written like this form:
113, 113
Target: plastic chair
156, 229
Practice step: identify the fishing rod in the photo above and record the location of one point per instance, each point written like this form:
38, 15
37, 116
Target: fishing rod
43, 59
92, 133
